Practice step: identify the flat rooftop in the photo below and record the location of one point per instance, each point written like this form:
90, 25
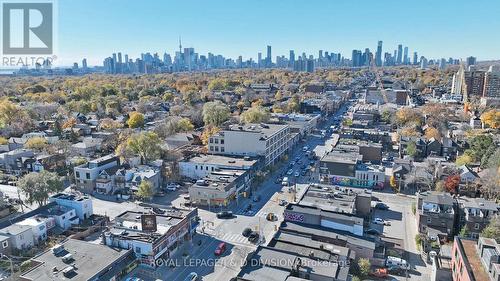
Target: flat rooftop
474, 261
327, 198
221, 160
88, 260
266, 130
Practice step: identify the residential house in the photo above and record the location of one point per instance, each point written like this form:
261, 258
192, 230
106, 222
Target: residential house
82, 204
12, 162
21, 237
476, 214
437, 215
87, 174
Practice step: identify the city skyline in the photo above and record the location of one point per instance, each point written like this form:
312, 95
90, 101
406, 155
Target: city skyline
225, 29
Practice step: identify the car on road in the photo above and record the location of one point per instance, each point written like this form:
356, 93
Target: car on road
221, 248
172, 187
246, 232
278, 180
303, 172
225, 215
256, 198
282, 202
372, 231
297, 158
297, 174
193, 276
305, 148
271, 217
290, 172
158, 211
291, 164
381, 206
381, 221
253, 237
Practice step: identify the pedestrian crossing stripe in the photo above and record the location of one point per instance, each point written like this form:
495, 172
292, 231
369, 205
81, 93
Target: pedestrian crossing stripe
232, 237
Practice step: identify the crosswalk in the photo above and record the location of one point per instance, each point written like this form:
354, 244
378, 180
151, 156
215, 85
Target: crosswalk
235, 238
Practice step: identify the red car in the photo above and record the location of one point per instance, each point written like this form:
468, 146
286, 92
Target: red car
220, 249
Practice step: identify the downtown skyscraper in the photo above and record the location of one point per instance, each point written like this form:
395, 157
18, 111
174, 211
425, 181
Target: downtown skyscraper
378, 55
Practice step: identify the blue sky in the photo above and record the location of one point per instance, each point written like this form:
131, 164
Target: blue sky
439, 28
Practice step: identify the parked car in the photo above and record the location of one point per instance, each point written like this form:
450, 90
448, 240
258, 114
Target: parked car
290, 172
158, 211
172, 187
381, 206
297, 174
282, 202
303, 172
248, 208
373, 231
225, 215
246, 232
381, 221
253, 237
220, 249
256, 198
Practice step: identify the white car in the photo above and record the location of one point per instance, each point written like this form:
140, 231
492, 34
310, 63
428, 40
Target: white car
290, 172
297, 174
381, 221
172, 187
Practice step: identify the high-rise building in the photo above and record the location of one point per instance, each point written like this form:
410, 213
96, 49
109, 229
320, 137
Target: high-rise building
405, 56
473, 84
291, 59
492, 82
423, 62
268, 57
442, 64
259, 60
470, 61
84, 64
378, 55
415, 58
356, 58
310, 65
400, 54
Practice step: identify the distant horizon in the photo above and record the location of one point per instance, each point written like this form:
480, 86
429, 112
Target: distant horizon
94, 29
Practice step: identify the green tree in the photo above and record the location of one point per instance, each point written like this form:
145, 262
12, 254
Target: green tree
256, 114
464, 232
184, 125
146, 145
145, 191
38, 186
215, 113
411, 149
386, 116
364, 267
36, 143
135, 120
493, 229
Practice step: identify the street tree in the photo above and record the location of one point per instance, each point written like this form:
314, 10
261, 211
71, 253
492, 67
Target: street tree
38, 186
145, 191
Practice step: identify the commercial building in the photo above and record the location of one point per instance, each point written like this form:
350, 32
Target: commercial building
473, 261
318, 217
79, 261
200, 166
219, 188
172, 229
270, 141
347, 169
